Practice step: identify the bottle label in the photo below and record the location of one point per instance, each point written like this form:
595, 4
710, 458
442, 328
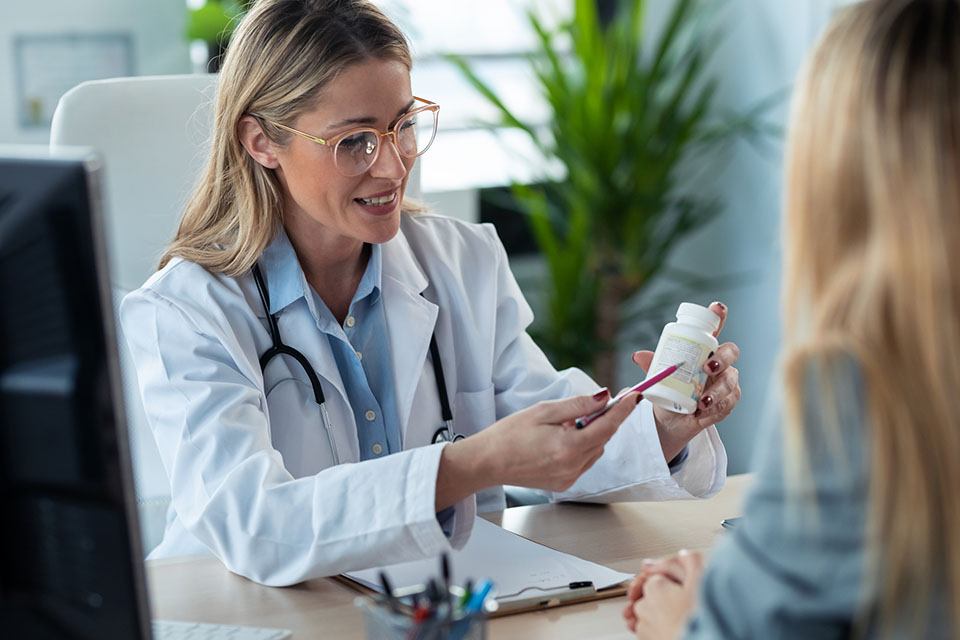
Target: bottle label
690, 378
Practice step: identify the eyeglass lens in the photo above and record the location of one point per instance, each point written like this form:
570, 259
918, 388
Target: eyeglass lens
414, 133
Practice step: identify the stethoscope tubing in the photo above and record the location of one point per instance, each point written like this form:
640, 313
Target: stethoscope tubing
444, 433
279, 348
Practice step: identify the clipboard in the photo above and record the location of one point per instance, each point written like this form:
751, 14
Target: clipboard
546, 598
528, 575
536, 601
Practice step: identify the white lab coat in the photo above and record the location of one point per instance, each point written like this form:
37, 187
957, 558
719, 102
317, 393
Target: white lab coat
251, 473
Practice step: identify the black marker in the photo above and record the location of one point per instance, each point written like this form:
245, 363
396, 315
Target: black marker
445, 572
388, 590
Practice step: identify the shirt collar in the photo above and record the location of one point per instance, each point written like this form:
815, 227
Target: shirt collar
372, 277
286, 282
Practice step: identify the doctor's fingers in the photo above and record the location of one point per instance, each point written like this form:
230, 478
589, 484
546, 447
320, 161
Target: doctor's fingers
567, 410
719, 397
603, 428
724, 357
721, 310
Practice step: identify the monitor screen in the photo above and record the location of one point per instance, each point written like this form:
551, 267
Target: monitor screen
71, 565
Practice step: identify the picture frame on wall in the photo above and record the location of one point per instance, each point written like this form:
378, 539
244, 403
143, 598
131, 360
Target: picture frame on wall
49, 65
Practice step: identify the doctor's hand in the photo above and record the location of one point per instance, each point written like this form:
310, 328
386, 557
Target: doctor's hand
720, 395
539, 447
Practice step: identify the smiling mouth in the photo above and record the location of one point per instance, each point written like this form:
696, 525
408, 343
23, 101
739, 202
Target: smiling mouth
379, 201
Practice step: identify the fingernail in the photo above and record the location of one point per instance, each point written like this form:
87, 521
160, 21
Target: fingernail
707, 401
600, 395
639, 397
696, 414
714, 365
722, 306
683, 552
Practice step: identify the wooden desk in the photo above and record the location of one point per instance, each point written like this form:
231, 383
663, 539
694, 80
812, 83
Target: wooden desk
618, 536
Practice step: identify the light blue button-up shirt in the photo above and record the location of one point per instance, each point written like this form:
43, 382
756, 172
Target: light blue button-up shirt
362, 352
360, 346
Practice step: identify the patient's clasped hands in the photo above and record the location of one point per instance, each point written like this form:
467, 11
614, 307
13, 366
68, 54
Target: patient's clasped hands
663, 595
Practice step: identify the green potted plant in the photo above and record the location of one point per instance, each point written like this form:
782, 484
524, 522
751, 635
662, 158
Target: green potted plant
623, 124
214, 22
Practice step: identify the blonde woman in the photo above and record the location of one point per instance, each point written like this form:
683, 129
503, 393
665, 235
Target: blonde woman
861, 536
335, 383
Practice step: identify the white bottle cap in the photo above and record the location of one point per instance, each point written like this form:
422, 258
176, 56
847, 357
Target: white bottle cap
700, 315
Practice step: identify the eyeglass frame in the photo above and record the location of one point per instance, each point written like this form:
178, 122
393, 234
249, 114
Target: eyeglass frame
334, 142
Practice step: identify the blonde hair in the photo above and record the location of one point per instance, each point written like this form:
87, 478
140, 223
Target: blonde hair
872, 271
281, 56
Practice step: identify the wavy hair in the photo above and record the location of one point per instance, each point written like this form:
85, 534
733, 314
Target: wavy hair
872, 270
281, 56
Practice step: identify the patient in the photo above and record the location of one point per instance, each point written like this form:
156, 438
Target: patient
852, 527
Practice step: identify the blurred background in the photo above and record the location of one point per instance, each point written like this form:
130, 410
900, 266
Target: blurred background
617, 200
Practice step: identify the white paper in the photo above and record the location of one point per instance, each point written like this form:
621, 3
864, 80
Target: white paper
512, 563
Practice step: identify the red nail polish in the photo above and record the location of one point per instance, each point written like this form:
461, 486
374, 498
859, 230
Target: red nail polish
600, 395
696, 414
639, 397
707, 401
714, 365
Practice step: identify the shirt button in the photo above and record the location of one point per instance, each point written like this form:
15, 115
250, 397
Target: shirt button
377, 449
351, 321
371, 416
359, 356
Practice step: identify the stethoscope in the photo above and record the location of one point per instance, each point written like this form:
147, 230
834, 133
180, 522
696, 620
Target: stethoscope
443, 434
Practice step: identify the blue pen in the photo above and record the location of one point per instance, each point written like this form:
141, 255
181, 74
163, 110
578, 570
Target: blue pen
476, 600
473, 605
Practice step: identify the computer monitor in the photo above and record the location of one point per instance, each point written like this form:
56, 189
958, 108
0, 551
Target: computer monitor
70, 560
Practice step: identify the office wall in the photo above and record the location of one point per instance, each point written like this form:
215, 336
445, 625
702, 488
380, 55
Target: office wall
155, 26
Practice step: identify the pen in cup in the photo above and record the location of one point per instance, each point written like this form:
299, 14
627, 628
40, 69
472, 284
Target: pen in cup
445, 573
479, 596
388, 591
643, 386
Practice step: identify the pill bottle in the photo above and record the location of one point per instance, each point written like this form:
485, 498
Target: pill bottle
688, 342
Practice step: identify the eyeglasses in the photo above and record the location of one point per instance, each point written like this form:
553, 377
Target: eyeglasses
355, 151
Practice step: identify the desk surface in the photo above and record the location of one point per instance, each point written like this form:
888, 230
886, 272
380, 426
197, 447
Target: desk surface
617, 535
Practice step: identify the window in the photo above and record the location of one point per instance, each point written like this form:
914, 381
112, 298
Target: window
494, 37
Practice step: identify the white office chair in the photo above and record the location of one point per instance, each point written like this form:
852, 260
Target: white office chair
153, 135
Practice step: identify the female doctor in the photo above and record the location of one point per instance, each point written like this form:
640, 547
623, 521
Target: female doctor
335, 382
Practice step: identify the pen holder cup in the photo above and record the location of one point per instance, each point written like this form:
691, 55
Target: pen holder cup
383, 623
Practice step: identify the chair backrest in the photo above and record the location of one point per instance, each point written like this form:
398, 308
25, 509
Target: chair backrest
152, 133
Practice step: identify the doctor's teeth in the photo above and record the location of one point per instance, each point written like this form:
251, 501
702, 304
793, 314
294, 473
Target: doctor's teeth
378, 201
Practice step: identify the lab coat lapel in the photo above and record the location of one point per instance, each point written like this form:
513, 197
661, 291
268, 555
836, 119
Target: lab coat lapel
410, 320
